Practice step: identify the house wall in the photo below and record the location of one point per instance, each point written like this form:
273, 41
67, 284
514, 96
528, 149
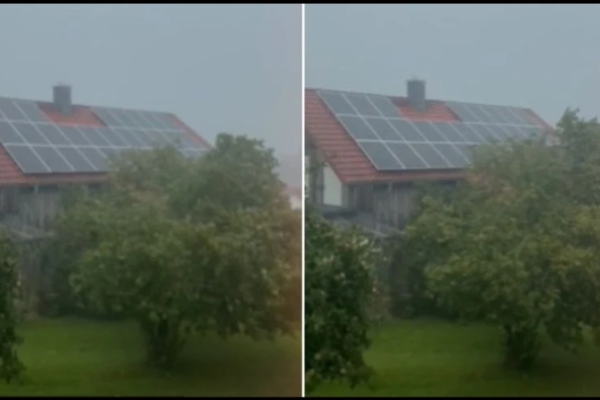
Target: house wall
32, 206
389, 204
332, 187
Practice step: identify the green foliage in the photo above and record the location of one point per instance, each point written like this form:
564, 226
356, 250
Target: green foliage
187, 246
339, 289
516, 245
10, 365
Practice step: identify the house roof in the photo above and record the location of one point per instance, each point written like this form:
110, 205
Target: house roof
81, 116
342, 153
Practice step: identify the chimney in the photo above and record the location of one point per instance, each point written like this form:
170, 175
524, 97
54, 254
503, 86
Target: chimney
62, 99
415, 89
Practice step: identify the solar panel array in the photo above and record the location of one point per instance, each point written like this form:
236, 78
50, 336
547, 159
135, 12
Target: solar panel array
393, 143
39, 146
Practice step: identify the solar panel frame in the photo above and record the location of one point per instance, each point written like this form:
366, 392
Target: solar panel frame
362, 105
429, 131
520, 116
53, 159
160, 122
75, 136
153, 124
383, 128
30, 133
11, 110
53, 134
123, 116
410, 158
95, 157
9, 135
430, 154
357, 127
27, 159
385, 106
451, 154
32, 111
479, 113
110, 136
461, 112
407, 130
449, 133
337, 103
79, 162
380, 155
497, 116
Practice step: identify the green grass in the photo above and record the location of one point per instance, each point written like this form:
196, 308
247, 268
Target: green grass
433, 358
75, 357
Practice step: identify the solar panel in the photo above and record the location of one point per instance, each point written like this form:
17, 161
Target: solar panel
140, 120
8, 134
30, 133
410, 158
106, 116
362, 105
357, 127
75, 136
407, 130
450, 133
394, 143
429, 131
27, 160
11, 111
97, 159
337, 103
380, 155
385, 106
431, 155
462, 112
111, 137
53, 159
168, 121
76, 159
383, 129
454, 157
38, 146
32, 111
53, 134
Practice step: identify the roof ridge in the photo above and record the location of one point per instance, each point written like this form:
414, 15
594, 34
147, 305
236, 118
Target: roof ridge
22, 99
428, 100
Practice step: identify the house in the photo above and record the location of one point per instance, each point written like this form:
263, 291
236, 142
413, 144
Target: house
365, 152
47, 146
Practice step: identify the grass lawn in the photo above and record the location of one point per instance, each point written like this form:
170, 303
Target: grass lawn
78, 358
433, 358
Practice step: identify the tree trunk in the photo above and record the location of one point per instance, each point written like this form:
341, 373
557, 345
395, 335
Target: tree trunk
521, 345
164, 341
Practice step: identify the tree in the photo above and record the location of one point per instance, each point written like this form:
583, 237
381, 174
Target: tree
10, 365
516, 245
339, 288
179, 263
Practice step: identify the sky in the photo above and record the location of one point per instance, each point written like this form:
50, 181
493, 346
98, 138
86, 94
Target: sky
220, 68
545, 57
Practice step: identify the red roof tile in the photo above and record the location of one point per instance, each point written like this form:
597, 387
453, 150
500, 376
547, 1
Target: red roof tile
10, 173
347, 160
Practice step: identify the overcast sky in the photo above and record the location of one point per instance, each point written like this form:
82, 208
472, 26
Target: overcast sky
546, 57
233, 68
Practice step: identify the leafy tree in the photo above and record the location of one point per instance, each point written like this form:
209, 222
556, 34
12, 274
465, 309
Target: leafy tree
516, 245
10, 365
339, 289
178, 263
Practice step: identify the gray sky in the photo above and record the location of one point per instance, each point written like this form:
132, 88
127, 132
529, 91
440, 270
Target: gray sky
231, 68
546, 57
